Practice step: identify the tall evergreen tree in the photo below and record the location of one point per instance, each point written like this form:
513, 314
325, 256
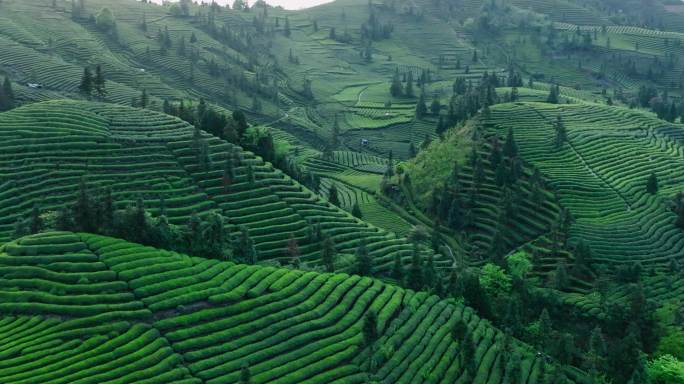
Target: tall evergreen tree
364, 264
397, 269
421, 108
328, 254
370, 335
510, 148
396, 89
333, 198
99, 82
554, 94
409, 85
286, 30
545, 329
7, 98
561, 133
36, 220
415, 274
435, 107
356, 211
144, 99
86, 86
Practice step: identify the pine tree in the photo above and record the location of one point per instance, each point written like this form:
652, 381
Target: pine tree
421, 108
83, 210
455, 217
435, 107
356, 211
396, 90
397, 269
328, 254
409, 85
545, 329
441, 126
144, 99
244, 250
561, 133
333, 198
596, 355
370, 328
36, 220
99, 82
7, 98
468, 357
293, 247
370, 335
86, 86
286, 30
510, 148
459, 331
652, 184
415, 275
513, 370
554, 94
364, 264
561, 278
412, 150
430, 277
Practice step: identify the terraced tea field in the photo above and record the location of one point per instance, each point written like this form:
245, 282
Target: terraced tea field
147, 154
86, 308
601, 173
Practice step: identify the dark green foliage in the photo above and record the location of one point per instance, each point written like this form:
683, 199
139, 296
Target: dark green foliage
510, 147
397, 269
430, 276
435, 107
99, 82
7, 98
333, 198
561, 133
364, 264
415, 274
144, 99
356, 211
286, 30
554, 94
459, 331
328, 254
86, 86
421, 107
244, 250
409, 85
36, 221
370, 328
545, 329
396, 89
245, 375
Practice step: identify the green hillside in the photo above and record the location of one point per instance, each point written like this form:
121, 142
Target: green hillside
499, 182
85, 308
48, 148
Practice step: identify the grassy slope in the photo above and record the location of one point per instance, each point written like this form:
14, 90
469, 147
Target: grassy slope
97, 309
148, 154
600, 176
